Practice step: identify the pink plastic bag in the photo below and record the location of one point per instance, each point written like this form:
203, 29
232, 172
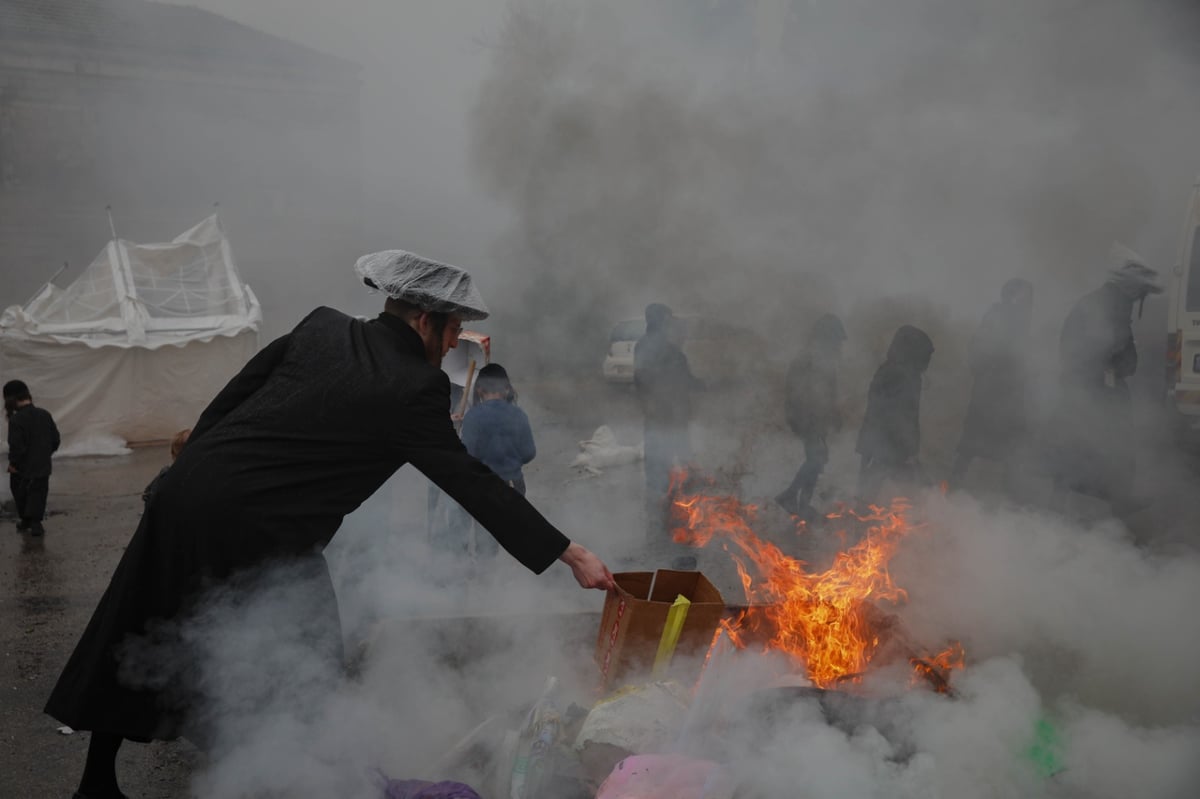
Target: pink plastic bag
665, 777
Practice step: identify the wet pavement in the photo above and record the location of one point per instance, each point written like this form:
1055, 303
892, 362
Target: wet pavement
49, 587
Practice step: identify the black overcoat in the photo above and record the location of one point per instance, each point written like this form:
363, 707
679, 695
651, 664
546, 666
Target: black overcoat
308, 430
891, 428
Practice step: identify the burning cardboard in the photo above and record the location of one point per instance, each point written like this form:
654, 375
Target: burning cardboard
829, 622
636, 616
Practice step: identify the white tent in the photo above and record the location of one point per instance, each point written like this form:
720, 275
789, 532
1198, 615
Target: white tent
136, 347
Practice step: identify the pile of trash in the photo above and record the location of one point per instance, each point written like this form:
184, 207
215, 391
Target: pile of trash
671, 719
620, 749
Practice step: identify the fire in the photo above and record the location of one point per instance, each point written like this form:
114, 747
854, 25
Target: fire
827, 622
936, 670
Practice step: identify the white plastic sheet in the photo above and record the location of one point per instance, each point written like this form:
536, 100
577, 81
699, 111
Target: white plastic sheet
427, 284
139, 343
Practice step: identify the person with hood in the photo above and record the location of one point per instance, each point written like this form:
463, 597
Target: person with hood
32, 439
811, 409
997, 419
890, 439
300, 437
1092, 430
664, 384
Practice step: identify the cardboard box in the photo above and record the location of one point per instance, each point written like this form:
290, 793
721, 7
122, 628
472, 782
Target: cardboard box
634, 617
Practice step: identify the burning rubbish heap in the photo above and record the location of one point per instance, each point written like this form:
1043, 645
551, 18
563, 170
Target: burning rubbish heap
687, 680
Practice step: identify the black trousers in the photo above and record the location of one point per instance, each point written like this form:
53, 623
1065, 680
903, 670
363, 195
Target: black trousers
804, 484
29, 495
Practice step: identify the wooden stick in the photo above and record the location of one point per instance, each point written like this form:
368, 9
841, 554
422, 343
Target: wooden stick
466, 397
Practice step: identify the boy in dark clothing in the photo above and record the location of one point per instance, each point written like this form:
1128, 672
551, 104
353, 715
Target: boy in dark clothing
497, 432
890, 439
32, 439
811, 407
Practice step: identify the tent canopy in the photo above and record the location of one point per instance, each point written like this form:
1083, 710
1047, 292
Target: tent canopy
145, 295
96, 353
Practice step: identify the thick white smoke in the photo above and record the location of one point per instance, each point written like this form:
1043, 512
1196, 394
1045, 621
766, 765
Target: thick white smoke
882, 160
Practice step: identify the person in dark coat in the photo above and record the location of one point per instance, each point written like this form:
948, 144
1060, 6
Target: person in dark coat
497, 432
302, 435
32, 439
664, 383
1092, 427
997, 419
890, 439
811, 408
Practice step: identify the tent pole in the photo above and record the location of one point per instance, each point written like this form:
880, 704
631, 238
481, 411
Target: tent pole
111, 225
66, 265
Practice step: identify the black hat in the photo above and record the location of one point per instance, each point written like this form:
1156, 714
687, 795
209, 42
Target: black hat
911, 347
16, 389
493, 379
657, 315
493, 370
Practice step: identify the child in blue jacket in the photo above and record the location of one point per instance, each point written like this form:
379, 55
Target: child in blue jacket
497, 432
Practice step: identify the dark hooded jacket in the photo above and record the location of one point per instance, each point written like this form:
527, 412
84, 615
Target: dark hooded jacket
891, 429
308, 430
663, 379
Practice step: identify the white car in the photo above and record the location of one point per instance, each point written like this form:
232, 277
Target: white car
618, 363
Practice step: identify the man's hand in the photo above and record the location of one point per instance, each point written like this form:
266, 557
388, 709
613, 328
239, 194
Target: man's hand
12, 469
589, 570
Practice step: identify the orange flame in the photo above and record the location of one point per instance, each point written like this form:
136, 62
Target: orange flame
936, 670
827, 622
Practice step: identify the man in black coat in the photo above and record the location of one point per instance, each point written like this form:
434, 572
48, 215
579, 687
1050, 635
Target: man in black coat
1092, 428
811, 408
32, 439
997, 420
307, 431
664, 384
890, 439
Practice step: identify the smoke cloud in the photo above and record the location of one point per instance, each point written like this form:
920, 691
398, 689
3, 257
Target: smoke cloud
764, 163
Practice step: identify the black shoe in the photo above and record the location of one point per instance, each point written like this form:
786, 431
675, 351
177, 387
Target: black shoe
788, 503
36, 530
23, 525
81, 795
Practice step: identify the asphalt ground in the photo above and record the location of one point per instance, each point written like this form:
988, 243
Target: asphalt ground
49, 586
